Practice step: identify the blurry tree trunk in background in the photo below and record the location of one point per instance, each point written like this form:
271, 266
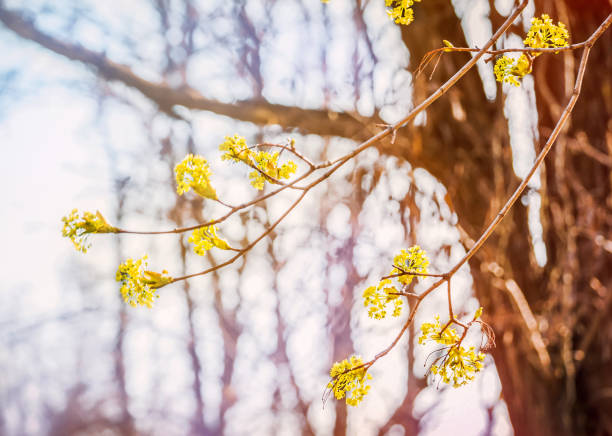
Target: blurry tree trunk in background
562, 388
553, 323
126, 424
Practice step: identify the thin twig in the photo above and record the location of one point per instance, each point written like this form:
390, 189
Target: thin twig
337, 163
504, 210
243, 251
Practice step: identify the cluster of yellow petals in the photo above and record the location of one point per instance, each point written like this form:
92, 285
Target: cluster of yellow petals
139, 286
376, 298
265, 165
509, 70
542, 34
78, 227
412, 261
433, 331
194, 173
349, 382
458, 365
205, 238
401, 10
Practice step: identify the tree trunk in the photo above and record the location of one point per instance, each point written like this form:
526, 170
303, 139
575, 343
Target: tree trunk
552, 354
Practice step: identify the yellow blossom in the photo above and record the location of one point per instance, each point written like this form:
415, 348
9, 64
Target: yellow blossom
139, 286
205, 238
544, 34
401, 11
377, 297
509, 70
194, 172
348, 381
79, 227
433, 331
414, 260
264, 164
457, 365
268, 164
235, 148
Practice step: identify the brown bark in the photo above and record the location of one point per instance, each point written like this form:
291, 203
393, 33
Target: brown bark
566, 395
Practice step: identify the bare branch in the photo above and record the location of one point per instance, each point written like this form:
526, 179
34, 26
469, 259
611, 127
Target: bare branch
519, 190
259, 111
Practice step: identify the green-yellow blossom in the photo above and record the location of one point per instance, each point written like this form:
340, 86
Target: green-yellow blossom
458, 365
349, 382
268, 164
205, 238
194, 173
433, 331
79, 227
264, 164
378, 297
139, 286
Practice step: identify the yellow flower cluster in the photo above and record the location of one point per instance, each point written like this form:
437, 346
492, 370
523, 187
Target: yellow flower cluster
236, 149
401, 11
79, 227
510, 70
349, 381
414, 260
138, 286
264, 163
542, 34
458, 365
205, 238
433, 331
377, 297
194, 173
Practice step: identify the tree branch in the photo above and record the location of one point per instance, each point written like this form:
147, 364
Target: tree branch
259, 111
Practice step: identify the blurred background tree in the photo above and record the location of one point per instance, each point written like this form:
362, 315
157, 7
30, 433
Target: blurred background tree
98, 103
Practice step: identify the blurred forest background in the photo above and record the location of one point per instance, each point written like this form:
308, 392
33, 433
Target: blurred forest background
99, 101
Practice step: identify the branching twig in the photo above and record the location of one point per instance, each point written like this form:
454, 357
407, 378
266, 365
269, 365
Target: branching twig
438, 52
588, 44
338, 163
